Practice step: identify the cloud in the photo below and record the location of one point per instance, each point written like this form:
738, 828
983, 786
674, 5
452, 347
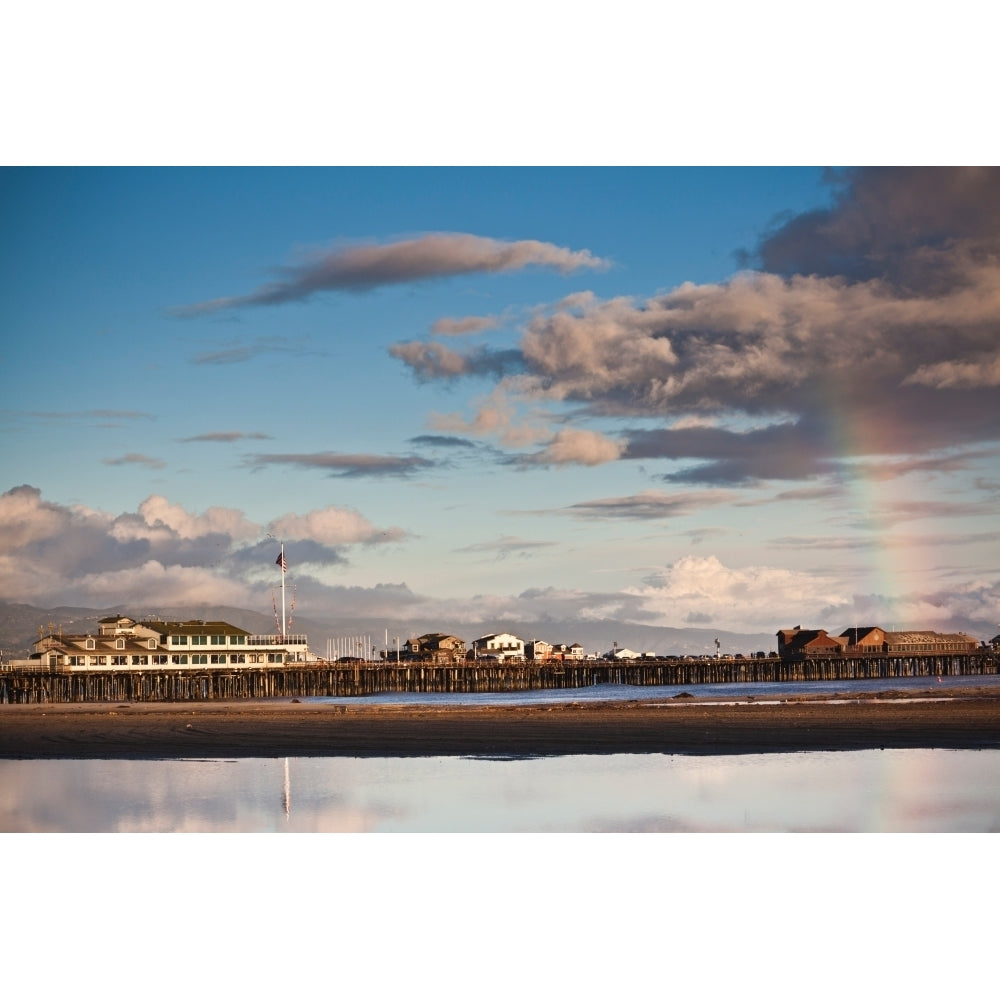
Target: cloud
650, 505
161, 553
348, 466
903, 543
508, 546
134, 458
576, 447
449, 327
430, 360
976, 373
441, 441
332, 526
497, 416
865, 329
700, 589
227, 437
435, 255
240, 351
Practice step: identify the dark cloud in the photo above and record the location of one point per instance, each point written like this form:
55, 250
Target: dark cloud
888, 541
238, 352
441, 441
650, 505
227, 437
351, 466
430, 360
436, 255
451, 327
134, 458
507, 546
912, 226
782, 451
870, 330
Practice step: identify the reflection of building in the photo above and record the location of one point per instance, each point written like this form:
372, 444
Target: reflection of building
799, 643
124, 643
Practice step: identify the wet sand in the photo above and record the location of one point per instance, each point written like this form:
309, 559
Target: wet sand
969, 719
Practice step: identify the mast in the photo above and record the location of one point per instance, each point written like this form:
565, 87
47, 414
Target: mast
284, 566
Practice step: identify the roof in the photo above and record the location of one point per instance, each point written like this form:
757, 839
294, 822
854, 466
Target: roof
196, 627
859, 632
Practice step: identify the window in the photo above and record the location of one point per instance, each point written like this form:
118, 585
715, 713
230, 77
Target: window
199, 658
218, 640
151, 644
90, 644
119, 661
274, 658
218, 657
238, 658
178, 640
99, 661
180, 658
119, 643
237, 640
199, 640
160, 660
78, 661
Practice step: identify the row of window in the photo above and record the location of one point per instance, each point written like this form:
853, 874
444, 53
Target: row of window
178, 659
205, 640
182, 640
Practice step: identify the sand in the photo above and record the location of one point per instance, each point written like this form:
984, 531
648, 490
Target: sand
969, 719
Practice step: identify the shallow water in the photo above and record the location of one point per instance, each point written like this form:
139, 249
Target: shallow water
631, 692
863, 791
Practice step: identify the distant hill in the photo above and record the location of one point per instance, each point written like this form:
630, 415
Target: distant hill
19, 625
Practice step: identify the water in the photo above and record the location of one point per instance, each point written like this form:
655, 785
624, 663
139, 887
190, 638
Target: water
858, 791
629, 692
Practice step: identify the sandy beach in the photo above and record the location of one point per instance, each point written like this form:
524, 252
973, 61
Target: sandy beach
677, 724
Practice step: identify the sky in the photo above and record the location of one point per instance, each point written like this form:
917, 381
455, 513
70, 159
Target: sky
736, 398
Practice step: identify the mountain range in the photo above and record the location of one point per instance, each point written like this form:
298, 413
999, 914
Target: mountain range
21, 624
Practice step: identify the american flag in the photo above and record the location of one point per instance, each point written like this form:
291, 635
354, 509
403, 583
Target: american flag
280, 561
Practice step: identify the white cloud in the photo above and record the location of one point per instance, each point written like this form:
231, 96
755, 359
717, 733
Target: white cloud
700, 589
331, 526
577, 447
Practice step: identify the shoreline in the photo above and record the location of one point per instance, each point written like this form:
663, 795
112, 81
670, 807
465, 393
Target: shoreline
676, 724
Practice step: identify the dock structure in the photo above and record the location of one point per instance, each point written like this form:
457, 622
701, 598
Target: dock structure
358, 679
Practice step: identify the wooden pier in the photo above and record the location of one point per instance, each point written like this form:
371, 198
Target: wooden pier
333, 679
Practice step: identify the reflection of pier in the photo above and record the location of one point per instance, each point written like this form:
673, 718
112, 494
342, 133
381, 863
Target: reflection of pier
286, 797
324, 679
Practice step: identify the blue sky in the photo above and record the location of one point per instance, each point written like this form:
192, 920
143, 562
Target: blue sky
729, 397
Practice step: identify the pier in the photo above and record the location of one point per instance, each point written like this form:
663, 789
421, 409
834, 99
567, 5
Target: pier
358, 679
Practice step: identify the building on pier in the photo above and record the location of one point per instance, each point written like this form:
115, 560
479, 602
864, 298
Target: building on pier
538, 650
125, 643
435, 647
870, 640
498, 646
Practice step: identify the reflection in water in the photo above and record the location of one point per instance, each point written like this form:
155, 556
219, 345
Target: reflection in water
871, 790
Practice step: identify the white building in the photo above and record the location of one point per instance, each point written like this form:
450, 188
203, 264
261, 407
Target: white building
500, 646
622, 654
124, 643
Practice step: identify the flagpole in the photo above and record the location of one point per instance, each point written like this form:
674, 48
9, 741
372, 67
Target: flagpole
284, 620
